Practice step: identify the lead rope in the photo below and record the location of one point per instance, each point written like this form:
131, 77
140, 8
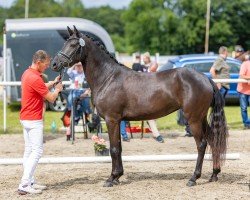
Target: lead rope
62, 72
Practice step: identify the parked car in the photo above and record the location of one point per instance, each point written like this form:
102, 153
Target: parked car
203, 63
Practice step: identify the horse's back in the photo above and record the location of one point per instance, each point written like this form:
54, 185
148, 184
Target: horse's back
196, 90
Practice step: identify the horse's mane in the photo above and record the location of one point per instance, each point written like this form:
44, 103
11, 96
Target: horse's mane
103, 48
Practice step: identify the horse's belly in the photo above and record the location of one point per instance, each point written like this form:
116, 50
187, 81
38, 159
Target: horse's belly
150, 112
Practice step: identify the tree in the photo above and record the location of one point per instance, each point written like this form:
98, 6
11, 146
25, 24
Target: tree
230, 23
110, 19
164, 26
178, 26
48, 8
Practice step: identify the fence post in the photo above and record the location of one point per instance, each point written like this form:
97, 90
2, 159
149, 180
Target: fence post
4, 77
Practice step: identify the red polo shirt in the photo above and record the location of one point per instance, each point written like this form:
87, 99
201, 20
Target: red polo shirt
33, 92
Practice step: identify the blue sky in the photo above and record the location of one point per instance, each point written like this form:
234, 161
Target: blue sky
87, 3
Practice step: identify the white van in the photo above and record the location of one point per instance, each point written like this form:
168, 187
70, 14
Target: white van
26, 36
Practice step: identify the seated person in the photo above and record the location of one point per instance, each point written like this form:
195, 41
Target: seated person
77, 76
123, 131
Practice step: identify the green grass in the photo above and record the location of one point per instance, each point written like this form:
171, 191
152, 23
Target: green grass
13, 124
165, 123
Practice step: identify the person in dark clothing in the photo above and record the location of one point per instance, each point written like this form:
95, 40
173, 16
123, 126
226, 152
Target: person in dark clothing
137, 66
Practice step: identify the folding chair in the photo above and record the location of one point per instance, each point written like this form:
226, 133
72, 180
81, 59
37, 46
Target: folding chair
83, 117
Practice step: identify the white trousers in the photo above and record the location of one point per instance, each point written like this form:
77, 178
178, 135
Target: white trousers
153, 127
33, 138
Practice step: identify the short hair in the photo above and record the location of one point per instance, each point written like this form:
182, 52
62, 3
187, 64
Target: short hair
40, 55
222, 49
137, 55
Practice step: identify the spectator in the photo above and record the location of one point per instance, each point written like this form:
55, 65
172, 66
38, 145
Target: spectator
220, 70
34, 91
77, 77
244, 91
183, 121
124, 132
137, 64
152, 67
239, 53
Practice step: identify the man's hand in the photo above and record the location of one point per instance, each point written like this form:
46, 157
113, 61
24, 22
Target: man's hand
57, 79
59, 87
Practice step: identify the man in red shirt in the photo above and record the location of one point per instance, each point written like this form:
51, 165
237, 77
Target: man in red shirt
34, 92
244, 91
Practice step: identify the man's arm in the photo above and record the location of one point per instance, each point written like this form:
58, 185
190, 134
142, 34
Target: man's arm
50, 84
51, 96
214, 75
213, 72
245, 77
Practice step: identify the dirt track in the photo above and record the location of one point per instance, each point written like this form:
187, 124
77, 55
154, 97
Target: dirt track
141, 180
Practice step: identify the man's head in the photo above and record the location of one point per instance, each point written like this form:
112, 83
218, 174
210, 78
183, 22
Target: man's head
223, 51
137, 57
78, 67
41, 60
238, 50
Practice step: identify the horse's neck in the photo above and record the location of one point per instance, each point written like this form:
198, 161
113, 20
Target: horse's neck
98, 67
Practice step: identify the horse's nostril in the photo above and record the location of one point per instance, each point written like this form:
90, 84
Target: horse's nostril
54, 64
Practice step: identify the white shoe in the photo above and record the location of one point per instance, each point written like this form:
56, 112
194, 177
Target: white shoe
38, 186
27, 189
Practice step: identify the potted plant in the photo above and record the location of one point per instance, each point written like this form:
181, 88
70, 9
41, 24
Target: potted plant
100, 146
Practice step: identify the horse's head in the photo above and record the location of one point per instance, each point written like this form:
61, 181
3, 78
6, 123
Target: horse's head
71, 52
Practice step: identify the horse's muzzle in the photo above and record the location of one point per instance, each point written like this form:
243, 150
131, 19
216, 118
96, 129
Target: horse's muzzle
56, 65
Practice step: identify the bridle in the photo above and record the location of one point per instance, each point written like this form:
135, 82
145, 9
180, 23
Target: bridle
69, 57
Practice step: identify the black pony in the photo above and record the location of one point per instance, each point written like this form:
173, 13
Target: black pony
120, 93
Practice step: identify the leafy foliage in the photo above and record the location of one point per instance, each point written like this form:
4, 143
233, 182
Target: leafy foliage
178, 26
164, 26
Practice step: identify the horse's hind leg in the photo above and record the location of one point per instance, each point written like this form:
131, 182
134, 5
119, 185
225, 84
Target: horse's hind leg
115, 151
198, 130
216, 168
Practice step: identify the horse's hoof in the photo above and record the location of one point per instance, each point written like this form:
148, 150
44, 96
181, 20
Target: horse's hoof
213, 179
191, 183
116, 182
108, 184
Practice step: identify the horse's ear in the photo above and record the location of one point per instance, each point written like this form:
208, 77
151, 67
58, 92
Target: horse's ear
76, 31
70, 31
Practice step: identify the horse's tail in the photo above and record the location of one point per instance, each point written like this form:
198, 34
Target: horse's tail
218, 127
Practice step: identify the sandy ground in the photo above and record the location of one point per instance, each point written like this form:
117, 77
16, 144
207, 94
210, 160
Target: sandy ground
141, 180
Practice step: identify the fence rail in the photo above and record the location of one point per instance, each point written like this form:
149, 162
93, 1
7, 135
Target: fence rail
18, 83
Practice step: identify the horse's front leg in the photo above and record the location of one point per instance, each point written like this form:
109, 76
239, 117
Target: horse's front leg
115, 151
